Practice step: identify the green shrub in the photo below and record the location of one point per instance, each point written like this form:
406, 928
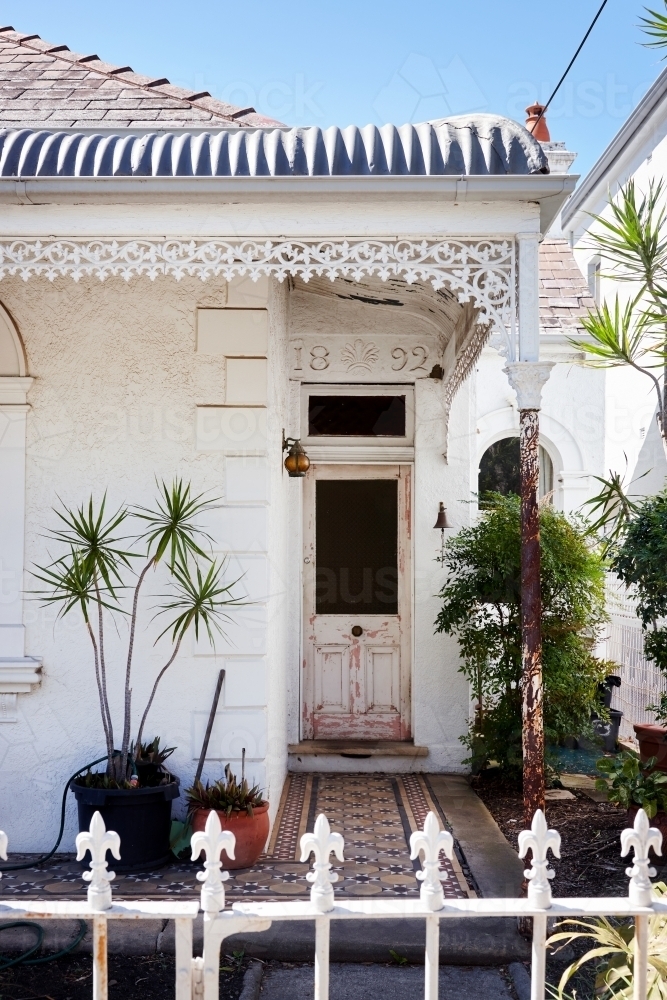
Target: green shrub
633, 783
482, 608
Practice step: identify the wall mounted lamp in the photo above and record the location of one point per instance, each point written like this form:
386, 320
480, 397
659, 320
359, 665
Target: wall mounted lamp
440, 524
297, 462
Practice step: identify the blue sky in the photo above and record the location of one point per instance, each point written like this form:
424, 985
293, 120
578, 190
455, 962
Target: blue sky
360, 61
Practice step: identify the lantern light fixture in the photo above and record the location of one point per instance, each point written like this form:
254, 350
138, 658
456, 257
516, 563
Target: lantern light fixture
297, 462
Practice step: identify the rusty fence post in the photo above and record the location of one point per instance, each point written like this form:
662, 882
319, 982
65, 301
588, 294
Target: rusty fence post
527, 379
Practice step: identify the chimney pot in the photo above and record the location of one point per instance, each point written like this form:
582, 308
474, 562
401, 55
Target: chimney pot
538, 126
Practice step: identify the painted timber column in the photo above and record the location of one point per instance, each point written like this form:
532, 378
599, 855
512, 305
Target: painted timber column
527, 376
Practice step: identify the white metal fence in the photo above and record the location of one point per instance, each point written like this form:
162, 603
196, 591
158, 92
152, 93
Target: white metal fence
642, 682
199, 977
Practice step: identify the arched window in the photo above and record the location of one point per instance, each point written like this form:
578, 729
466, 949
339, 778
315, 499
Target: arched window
499, 470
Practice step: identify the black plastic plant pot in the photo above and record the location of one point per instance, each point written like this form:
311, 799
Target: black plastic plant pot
140, 816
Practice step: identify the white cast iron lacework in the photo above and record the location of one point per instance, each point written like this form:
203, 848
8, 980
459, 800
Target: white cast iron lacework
200, 977
481, 271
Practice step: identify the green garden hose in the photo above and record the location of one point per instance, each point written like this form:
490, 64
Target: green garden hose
24, 957
46, 857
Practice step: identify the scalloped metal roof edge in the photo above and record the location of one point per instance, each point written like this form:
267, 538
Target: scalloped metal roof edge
481, 145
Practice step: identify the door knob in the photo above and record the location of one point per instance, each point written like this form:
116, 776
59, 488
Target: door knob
357, 630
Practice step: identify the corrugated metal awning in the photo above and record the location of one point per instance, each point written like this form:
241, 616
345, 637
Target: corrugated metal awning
473, 145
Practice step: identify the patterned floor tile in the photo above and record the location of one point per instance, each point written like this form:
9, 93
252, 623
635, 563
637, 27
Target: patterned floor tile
375, 813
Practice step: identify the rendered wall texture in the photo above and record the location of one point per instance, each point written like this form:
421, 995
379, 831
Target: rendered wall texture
114, 406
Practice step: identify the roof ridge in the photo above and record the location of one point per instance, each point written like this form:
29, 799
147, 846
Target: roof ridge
196, 99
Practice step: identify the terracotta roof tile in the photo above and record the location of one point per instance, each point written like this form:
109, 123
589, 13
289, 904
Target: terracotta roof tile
564, 295
38, 78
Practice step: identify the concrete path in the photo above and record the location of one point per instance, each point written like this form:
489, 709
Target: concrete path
495, 866
367, 982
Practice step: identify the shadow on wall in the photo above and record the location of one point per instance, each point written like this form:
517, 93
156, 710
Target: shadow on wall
651, 463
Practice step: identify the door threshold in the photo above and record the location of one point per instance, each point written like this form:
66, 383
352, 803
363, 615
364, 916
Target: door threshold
358, 748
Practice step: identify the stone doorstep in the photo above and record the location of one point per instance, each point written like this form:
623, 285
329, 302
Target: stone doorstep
357, 748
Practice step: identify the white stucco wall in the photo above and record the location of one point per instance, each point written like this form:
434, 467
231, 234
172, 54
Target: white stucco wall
114, 405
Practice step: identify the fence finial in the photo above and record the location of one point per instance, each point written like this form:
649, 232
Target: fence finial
212, 841
322, 842
642, 837
98, 840
538, 840
431, 841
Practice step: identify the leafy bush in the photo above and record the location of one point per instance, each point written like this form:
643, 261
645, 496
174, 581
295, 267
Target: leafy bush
226, 795
633, 783
660, 710
482, 608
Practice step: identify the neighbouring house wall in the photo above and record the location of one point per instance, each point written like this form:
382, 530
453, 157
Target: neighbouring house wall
572, 420
630, 432
122, 396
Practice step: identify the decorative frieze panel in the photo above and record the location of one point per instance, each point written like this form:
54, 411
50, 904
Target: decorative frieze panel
480, 271
337, 358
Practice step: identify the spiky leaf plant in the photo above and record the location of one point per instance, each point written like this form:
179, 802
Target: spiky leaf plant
613, 952
97, 571
227, 795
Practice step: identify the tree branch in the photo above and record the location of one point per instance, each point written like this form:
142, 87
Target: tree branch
128, 669
157, 681
107, 737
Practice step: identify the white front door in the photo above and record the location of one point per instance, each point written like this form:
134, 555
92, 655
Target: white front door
357, 602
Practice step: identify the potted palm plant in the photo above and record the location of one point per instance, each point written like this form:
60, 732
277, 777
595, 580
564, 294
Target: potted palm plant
104, 562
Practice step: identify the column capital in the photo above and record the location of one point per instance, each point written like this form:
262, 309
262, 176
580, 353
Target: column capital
527, 379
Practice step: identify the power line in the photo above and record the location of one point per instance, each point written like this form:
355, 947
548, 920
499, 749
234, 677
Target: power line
571, 64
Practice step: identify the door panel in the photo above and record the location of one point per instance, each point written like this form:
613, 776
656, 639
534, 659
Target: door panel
332, 679
382, 671
357, 602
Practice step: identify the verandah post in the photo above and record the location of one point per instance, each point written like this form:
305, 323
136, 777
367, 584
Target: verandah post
527, 377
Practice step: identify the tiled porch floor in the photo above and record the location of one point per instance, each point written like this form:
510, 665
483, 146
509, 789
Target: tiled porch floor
376, 813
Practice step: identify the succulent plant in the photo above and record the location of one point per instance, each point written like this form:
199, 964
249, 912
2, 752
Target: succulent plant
226, 795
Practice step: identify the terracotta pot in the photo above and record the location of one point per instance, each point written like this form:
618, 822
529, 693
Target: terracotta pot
251, 833
659, 821
652, 743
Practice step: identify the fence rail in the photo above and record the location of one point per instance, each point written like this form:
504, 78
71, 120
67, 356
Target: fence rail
198, 977
642, 683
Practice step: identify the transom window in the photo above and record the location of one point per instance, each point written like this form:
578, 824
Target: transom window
357, 416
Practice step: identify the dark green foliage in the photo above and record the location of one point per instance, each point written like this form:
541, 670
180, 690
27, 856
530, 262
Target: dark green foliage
633, 783
660, 710
226, 795
482, 608
640, 560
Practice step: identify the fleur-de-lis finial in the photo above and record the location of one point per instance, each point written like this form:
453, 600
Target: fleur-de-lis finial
322, 842
98, 840
539, 839
212, 841
642, 837
431, 841
3, 847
